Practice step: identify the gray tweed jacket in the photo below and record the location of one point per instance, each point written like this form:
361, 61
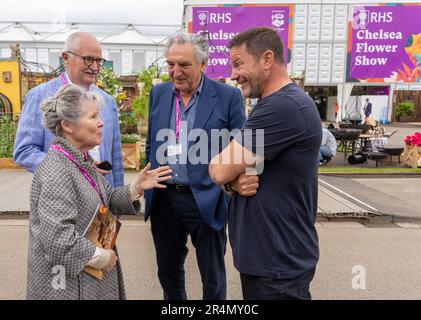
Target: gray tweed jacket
62, 205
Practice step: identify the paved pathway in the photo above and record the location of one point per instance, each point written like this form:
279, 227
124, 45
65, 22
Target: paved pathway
15, 187
389, 255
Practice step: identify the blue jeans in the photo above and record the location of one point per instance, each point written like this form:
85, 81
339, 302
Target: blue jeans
260, 288
324, 153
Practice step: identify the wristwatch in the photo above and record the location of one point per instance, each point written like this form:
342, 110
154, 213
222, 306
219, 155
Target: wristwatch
227, 187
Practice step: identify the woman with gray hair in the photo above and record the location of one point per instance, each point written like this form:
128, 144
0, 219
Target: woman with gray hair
65, 194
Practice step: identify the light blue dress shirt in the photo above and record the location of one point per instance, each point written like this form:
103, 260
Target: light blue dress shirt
187, 116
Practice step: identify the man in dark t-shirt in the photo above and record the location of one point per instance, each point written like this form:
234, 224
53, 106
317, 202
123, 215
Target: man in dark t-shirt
271, 223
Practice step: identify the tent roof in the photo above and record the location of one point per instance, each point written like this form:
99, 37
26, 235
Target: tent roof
62, 35
129, 35
18, 32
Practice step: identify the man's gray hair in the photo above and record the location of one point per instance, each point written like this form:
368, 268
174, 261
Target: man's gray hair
73, 41
200, 45
67, 105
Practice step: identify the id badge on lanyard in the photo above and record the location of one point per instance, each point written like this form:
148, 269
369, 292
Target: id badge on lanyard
177, 148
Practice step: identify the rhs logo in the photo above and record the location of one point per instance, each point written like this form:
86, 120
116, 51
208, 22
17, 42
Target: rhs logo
278, 19
363, 17
361, 20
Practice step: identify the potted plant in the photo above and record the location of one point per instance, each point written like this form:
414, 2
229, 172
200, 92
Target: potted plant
140, 108
128, 122
140, 105
412, 153
107, 81
404, 111
130, 140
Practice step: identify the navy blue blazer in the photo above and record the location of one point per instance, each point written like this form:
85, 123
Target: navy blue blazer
220, 106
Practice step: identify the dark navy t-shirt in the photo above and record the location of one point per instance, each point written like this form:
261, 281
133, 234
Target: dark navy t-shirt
272, 234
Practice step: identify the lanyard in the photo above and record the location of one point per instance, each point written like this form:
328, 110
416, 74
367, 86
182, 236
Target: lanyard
177, 116
81, 169
63, 78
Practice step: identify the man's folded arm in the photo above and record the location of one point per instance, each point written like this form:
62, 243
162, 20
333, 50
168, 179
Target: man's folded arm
232, 162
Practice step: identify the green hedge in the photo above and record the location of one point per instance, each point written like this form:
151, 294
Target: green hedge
8, 128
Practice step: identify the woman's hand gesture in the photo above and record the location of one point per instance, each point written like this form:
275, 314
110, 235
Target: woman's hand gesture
149, 179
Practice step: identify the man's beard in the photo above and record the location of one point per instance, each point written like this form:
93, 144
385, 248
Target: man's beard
256, 89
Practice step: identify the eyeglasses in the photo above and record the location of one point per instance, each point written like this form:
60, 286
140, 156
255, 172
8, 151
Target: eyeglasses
88, 60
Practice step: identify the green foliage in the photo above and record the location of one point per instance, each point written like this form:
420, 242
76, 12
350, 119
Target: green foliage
405, 109
107, 80
142, 159
165, 77
128, 118
130, 138
341, 148
140, 105
128, 122
7, 136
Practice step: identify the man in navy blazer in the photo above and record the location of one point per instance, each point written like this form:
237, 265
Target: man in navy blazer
191, 104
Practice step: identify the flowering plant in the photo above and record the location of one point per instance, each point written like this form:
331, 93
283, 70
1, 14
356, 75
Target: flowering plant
414, 140
107, 80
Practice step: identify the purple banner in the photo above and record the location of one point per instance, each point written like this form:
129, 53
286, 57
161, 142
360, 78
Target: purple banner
221, 24
386, 43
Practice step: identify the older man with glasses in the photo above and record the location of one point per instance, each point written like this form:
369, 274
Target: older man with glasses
82, 56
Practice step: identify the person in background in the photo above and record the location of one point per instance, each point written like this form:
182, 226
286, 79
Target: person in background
367, 108
336, 110
82, 57
327, 148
